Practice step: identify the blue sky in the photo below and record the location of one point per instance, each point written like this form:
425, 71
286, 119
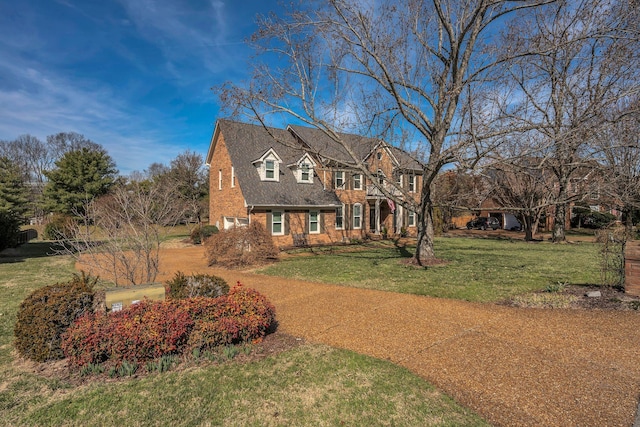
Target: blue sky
132, 75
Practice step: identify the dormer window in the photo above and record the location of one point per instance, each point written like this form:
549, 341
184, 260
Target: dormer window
303, 169
270, 169
268, 166
305, 175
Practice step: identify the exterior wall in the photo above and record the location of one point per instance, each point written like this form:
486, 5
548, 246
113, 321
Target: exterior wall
297, 228
226, 201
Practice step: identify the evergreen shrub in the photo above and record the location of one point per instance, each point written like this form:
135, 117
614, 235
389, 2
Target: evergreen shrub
196, 285
47, 313
200, 234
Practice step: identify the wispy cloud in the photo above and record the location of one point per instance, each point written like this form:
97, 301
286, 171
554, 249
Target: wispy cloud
132, 75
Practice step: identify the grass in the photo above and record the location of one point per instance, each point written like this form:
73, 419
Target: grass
338, 387
481, 270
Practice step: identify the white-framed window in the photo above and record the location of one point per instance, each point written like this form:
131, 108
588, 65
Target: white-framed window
220, 179
357, 181
338, 177
229, 222
305, 172
380, 177
412, 183
270, 169
233, 177
268, 166
314, 222
399, 180
412, 219
277, 224
357, 216
340, 217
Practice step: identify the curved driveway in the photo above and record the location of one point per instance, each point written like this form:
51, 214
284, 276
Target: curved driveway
515, 367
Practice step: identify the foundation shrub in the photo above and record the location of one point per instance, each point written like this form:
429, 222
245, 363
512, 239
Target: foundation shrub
140, 333
46, 314
196, 285
241, 246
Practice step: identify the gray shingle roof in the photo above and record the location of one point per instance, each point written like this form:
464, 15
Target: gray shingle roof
322, 145
247, 143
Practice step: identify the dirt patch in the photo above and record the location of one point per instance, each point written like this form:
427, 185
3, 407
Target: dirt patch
579, 297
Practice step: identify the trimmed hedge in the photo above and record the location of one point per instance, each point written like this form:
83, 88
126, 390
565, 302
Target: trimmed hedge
147, 331
196, 285
45, 315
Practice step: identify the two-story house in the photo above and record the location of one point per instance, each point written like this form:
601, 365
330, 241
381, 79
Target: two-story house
304, 187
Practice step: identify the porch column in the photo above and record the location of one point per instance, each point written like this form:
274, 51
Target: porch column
378, 215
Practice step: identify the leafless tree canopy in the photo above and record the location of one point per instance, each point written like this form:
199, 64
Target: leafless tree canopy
383, 69
120, 233
571, 64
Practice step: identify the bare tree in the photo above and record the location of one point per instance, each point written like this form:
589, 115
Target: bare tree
129, 225
383, 69
575, 62
619, 157
519, 182
190, 180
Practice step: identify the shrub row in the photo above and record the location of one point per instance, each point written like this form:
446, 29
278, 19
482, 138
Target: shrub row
147, 331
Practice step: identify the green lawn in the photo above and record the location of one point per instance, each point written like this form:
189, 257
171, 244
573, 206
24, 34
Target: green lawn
481, 270
307, 386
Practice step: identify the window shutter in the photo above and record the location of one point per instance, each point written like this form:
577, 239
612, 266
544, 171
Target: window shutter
405, 217
363, 209
269, 222
306, 223
347, 179
286, 223
321, 221
347, 217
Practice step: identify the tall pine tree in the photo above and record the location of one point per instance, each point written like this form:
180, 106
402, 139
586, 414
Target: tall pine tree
79, 177
13, 202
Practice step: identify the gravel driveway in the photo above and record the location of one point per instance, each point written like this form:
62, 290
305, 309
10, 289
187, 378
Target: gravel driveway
515, 367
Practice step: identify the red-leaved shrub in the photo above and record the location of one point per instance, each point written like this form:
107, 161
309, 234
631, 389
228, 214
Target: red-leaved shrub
144, 331
147, 330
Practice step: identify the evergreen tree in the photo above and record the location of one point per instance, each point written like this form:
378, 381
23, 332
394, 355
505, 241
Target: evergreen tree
79, 177
13, 202
13, 191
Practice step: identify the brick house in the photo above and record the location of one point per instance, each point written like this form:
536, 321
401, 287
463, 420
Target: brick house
304, 187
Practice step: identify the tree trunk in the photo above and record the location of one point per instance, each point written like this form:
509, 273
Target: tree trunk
558, 223
527, 224
426, 233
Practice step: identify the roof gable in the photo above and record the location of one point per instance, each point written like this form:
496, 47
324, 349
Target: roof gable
247, 143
